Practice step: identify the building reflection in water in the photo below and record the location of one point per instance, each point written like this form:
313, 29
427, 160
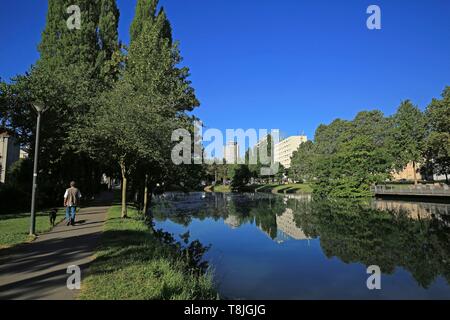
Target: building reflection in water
232, 221
414, 210
287, 228
276, 216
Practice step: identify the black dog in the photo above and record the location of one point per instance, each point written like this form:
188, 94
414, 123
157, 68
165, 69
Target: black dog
52, 216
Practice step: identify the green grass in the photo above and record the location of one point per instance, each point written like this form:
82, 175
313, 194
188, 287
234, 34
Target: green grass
222, 189
133, 264
294, 188
14, 228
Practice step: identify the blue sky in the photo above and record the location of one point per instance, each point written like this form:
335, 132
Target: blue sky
286, 64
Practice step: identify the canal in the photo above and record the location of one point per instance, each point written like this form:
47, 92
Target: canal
266, 246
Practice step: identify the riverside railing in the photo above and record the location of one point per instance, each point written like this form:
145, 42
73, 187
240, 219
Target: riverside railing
416, 190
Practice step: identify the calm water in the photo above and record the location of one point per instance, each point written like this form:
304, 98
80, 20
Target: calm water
274, 247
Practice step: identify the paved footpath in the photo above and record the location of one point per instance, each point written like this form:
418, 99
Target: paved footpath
39, 270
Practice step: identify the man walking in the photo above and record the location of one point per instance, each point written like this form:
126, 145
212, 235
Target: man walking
71, 201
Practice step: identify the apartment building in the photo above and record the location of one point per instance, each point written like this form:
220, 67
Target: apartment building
262, 149
285, 149
9, 153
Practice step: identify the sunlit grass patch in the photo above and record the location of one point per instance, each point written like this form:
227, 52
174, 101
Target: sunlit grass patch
14, 228
132, 263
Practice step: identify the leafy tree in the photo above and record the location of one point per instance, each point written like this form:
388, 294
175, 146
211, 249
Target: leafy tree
409, 136
241, 177
223, 172
303, 160
133, 124
145, 12
351, 171
67, 79
358, 157
212, 172
327, 137
110, 58
438, 140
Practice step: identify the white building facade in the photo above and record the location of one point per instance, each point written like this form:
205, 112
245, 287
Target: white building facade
284, 150
231, 153
9, 153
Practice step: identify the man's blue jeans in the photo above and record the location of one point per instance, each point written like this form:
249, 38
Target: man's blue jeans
70, 213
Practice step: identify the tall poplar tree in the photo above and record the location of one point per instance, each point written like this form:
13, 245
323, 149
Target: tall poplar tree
67, 79
110, 56
409, 135
145, 13
134, 122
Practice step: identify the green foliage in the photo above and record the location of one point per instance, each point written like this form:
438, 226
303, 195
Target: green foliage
145, 11
347, 157
359, 157
74, 68
303, 161
110, 57
16, 194
408, 135
134, 120
241, 177
438, 140
12, 199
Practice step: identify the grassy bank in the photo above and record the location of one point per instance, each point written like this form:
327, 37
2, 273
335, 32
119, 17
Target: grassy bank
14, 228
273, 188
133, 263
221, 189
294, 188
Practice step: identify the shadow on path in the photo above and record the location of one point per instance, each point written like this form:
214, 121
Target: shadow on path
39, 270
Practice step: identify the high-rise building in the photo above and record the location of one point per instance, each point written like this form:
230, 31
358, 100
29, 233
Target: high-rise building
285, 149
262, 149
231, 153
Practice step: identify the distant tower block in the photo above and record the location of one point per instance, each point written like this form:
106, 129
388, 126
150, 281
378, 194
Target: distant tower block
231, 152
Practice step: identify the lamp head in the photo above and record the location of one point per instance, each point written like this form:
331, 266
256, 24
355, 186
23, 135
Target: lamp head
39, 108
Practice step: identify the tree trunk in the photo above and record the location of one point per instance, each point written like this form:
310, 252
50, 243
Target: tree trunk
415, 173
146, 195
124, 190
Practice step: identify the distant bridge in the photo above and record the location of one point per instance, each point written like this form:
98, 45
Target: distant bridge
439, 191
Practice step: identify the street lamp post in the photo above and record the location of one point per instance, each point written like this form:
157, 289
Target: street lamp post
40, 110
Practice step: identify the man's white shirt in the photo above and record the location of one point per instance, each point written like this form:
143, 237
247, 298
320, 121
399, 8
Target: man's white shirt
67, 193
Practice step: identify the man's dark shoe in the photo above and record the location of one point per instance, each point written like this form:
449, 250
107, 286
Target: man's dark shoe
69, 222
72, 222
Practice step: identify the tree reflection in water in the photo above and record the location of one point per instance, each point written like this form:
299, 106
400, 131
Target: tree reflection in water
356, 232
413, 236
